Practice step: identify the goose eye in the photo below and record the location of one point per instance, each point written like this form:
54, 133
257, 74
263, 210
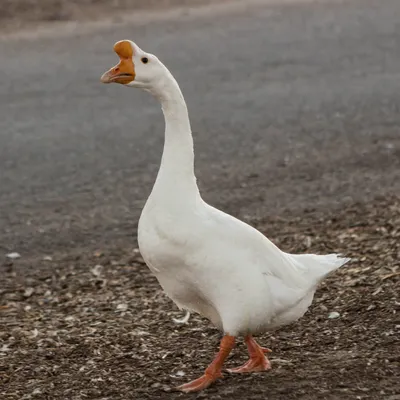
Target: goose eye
145, 60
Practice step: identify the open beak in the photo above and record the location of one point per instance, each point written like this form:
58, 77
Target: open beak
124, 71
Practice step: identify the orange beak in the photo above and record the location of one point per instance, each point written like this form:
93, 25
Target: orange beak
124, 71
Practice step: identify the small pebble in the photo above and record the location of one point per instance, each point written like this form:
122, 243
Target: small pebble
29, 292
333, 315
13, 256
96, 270
122, 307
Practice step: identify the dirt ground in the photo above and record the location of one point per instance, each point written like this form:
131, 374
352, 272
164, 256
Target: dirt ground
97, 325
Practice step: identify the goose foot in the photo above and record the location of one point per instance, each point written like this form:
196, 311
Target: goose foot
213, 372
258, 361
199, 384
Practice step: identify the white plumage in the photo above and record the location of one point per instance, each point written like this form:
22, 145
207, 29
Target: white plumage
206, 260
214, 264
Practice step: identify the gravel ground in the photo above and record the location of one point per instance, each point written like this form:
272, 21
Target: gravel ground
97, 325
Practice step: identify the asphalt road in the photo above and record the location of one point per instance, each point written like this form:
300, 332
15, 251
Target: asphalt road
293, 106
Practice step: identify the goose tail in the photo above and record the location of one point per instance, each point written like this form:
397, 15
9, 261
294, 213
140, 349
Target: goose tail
320, 265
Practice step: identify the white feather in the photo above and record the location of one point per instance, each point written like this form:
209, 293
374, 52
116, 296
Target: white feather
206, 260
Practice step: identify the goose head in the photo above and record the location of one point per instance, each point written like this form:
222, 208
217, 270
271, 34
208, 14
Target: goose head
136, 68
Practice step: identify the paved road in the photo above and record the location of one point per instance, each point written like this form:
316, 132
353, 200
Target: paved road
293, 106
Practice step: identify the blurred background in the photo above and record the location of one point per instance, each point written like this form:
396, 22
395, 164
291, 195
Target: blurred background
294, 106
21, 12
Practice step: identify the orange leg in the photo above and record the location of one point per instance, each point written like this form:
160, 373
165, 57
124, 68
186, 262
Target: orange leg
213, 371
258, 361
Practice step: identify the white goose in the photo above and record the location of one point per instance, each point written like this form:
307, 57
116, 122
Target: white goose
205, 260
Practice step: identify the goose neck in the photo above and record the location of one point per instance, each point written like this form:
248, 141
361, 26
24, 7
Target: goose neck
176, 172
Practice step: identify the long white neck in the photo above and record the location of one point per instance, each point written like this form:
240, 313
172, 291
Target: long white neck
176, 174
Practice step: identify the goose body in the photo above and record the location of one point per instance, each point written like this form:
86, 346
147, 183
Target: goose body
206, 260
224, 269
